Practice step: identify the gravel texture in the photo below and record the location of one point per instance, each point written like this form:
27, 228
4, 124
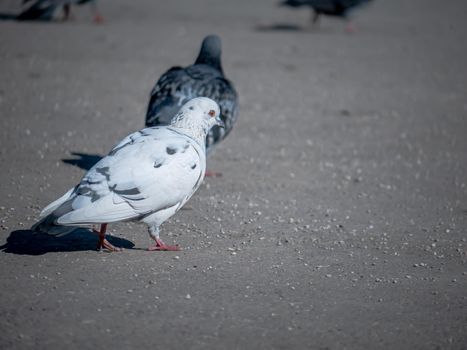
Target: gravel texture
339, 221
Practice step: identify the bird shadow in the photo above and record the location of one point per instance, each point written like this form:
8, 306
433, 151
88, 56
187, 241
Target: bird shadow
279, 27
85, 161
28, 242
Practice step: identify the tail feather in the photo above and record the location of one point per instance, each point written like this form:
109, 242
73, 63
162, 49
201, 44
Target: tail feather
57, 203
48, 225
51, 213
38, 11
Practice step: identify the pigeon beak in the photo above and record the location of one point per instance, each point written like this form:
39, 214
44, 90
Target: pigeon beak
220, 123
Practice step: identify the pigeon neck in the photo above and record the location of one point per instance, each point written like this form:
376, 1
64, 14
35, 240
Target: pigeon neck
210, 54
195, 130
214, 62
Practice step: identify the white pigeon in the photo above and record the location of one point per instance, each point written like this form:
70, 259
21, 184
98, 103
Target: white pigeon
148, 176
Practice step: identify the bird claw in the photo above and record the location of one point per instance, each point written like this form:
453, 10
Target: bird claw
105, 245
161, 246
349, 28
98, 19
210, 173
167, 248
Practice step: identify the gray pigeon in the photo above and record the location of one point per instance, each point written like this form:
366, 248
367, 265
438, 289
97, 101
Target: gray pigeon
148, 177
336, 8
44, 10
204, 78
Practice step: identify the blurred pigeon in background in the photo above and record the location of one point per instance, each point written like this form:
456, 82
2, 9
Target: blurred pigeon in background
336, 8
204, 78
44, 10
148, 176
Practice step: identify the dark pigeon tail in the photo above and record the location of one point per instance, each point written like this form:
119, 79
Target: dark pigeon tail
339, 8
39, 11
8, 17
294, 3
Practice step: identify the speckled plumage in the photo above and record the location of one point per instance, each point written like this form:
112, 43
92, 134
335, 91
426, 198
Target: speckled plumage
204, 78
148, 176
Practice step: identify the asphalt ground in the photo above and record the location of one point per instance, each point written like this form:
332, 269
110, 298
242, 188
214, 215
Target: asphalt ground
340, 218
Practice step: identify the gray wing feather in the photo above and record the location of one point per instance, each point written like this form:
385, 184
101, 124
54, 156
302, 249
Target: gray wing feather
179, 85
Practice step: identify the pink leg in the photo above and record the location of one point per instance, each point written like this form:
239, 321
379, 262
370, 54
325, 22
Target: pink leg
349, 28
104, 243
162, 246
98, 19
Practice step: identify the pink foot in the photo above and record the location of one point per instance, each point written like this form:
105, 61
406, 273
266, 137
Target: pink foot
106, 245
162, 246
212, 174
103, 243
98, 19
349, 28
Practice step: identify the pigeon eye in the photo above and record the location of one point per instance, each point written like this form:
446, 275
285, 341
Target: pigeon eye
212, 113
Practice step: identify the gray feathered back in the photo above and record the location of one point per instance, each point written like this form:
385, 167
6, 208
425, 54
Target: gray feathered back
205, 78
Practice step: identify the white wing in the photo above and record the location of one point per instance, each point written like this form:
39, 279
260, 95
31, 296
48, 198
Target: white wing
150, 170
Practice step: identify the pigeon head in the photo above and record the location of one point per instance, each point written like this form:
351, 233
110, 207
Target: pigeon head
197, 117
210, 52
